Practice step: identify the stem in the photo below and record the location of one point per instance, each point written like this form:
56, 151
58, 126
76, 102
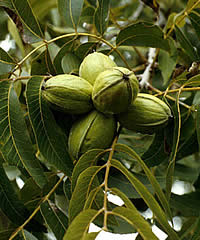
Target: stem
114, 48
28, 55
169, 97
171, 166
20, 228
106, 188
147, 73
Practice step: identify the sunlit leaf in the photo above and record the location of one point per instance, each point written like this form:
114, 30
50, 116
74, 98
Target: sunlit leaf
101, 16
86, 160
51, 140
86, 182
150, 176
16, 36
90, 236
95, 199
143, 34
192, 4
148, 198
118, 180
79, 227
133, 217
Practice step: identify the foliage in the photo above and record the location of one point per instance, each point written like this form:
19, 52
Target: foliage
159, 41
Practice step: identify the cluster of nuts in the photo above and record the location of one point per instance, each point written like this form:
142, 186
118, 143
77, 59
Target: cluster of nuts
103, 94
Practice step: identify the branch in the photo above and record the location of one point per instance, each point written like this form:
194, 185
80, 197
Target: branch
145, 77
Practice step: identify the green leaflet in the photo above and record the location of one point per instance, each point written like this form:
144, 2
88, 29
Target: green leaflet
24, 10
51, 140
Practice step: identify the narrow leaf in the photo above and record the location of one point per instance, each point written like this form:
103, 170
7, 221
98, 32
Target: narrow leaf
124, 198
133, 217
28, 236
143, 34
186, 45
196, 234
16, 36
195, 20
7, 4
95, 199
79, 227
21, 139
156, 152
148, 198
51, 140
55, 219
187, 204
5, 234
70, 63
6, 62
101, 16
86, 160
25, 12
192, 3
7, 148
42, 64
150, 176
167, 61
90, 236
172, 158
84, 49
86, 182
118, 180
71, 11
198, 125
64, 50
10, 204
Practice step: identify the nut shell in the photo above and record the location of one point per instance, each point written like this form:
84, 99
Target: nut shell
114, 90
147, 114
93, 64
68, 93
93, 130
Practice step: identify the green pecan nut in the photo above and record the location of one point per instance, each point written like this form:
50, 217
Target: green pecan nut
93, 64
114, 90
147, 114
93, 130
68, 93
